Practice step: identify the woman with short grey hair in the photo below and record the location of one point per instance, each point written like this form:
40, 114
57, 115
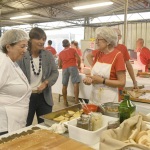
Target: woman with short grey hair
14, 87
108, 71
108, 34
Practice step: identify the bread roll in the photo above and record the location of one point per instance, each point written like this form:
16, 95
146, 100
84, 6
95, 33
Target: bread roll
143, 140
140, 134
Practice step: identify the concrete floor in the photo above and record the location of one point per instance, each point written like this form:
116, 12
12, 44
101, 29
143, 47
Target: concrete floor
58, 105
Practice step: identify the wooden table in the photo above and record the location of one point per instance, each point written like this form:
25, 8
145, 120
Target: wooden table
43, 140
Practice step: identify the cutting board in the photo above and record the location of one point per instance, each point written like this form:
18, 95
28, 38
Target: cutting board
59, 142
137, 99
142, 90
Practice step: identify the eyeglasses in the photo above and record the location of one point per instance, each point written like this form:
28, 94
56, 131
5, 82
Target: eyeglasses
97, 40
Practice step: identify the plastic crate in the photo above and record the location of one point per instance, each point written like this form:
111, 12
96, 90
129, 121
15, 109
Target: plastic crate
88, 137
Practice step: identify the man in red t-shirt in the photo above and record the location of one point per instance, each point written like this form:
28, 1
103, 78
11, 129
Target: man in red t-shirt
50, 48
126, 56
69, 61
144, 54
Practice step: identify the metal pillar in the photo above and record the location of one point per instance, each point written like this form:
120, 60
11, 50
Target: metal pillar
125, 23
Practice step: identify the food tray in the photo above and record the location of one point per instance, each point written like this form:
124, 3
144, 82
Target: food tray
140, 100
144, 74
137, 99
48, 118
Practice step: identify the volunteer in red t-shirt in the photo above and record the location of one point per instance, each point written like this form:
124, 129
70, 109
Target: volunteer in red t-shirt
69, 61
123, 49
50, 48
143, 54
108, 71
126, 56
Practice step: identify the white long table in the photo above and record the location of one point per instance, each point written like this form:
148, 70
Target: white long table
142, 107
85, 90
140, 81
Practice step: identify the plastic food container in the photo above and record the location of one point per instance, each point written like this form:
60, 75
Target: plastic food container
88, 137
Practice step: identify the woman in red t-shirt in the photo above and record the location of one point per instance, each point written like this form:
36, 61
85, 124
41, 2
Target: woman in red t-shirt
108, 72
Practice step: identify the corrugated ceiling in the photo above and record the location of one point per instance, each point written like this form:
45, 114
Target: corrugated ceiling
61, 10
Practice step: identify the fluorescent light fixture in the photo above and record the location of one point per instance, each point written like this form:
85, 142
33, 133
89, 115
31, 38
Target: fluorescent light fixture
20, 17
93, 5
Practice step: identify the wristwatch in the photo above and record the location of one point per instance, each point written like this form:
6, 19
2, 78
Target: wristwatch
104, 81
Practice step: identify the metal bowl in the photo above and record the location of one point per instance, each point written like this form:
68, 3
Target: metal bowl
111, 109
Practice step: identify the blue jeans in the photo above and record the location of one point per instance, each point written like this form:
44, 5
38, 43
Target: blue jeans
39, 106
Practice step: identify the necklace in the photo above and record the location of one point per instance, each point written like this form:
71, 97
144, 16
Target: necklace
32, 65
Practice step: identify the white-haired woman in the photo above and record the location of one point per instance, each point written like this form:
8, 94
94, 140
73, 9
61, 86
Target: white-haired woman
14, 87
108, 72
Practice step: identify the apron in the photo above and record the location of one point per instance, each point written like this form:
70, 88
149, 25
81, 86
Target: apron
102, 93
17, 111
138, 64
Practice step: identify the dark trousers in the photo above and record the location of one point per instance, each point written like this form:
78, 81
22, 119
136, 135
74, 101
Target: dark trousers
39, 106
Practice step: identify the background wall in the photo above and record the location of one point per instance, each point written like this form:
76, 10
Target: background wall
134, 31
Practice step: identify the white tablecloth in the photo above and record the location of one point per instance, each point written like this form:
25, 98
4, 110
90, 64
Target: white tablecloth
140, 81
142, 107
85, 90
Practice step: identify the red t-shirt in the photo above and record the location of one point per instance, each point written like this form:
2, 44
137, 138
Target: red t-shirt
94, 52
68, 58
123, 49
51, 49
145, 57
79, 52
118, 64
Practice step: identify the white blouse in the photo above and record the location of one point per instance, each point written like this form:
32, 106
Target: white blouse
36, 80
13, 87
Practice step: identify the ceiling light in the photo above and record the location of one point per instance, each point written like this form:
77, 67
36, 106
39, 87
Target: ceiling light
20, 17
93, 5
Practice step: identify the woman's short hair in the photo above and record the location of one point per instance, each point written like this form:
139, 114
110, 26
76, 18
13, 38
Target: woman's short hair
65, 43
37, 33
12, 37
108, 34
